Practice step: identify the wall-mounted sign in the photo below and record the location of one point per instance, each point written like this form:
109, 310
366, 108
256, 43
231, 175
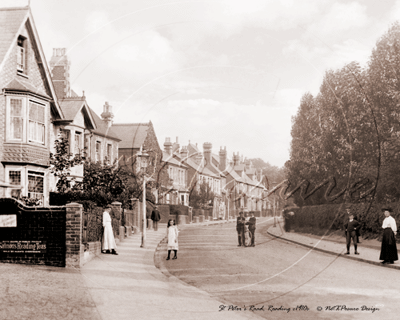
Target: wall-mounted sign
23, 246
8, 220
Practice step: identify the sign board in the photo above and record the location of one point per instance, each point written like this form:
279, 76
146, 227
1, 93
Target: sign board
23, 246
8, 220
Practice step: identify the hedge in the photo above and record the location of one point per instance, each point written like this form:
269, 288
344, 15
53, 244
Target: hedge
178, 209
322, 219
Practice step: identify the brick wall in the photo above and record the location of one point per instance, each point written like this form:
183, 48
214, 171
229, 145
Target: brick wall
46, 225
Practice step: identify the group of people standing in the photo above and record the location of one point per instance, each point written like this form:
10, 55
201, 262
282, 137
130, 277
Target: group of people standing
241, 223
388, 247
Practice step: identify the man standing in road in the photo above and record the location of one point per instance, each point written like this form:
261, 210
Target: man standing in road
351, 228
155, 216
240, 228
252, 228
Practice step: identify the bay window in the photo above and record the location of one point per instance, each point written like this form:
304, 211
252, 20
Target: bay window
25, 120
35, 184
16, 119
36, 122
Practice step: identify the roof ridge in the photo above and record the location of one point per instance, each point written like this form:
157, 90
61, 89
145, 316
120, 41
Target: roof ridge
14, 8
129, 124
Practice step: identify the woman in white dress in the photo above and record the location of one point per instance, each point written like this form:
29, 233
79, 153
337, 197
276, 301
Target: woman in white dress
108, 235
172, 236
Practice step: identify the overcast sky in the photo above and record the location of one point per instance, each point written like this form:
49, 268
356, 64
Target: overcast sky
229, 72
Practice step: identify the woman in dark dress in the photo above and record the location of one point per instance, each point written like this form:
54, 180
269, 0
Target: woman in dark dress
388, 248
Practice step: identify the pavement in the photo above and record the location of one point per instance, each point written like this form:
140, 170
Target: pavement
369, 249
130, 286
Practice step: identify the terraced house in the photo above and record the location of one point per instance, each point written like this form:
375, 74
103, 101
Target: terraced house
36, 105
28, 108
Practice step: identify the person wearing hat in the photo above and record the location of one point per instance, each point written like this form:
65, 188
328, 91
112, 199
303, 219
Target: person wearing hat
252, 227
240, 221
351, 228
108, 235
388, 248
155, 216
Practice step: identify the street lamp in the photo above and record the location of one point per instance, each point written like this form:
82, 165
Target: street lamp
143, 157
273, 185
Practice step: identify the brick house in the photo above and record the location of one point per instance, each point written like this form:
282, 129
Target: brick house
177, 192
244, 183
28, 108
87, 133
200, 168
138, 137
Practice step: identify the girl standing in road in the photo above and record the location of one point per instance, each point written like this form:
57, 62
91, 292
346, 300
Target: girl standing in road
172, 236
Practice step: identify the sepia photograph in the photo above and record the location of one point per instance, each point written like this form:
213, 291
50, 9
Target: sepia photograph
199, 159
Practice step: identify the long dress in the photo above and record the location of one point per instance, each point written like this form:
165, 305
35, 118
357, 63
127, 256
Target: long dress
172, 233
108, 235
389, 248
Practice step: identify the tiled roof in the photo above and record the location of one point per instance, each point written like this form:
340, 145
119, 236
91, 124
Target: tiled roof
170, 159
10, 22
192, 148
132, 135
215, 159
229, 171
70, 108
102, 128
18, 85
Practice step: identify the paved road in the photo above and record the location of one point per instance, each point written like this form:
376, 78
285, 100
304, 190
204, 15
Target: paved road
281, 275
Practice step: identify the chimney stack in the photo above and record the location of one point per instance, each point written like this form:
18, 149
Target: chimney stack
222, 159
184, 152
107, 114
59, 68
236, 159
168, 146
175, 146
207, 147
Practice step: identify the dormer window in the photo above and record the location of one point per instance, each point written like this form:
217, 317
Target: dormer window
21, 55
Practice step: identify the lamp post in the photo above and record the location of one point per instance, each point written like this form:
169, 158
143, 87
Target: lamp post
273, 185
143, 156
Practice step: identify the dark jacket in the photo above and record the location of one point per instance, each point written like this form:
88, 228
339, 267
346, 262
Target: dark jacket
155, 215
240, 221
352, 226
252, 223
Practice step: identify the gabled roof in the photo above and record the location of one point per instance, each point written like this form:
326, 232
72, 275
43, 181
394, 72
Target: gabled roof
229, 171
192, 148
102, 128
215, 159
71, 107
171, 160
12, 21
132, 135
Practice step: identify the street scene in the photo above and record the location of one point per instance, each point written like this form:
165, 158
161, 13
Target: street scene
224, 159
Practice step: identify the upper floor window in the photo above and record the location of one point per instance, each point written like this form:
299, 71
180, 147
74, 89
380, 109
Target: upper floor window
21, 55
16, 119
36, 122
25, 120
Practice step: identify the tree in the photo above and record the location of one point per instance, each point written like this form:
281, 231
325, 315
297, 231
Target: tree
201, 196
61, 162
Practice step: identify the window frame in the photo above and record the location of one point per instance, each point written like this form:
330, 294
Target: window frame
25, 101
36, 122
23, 70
